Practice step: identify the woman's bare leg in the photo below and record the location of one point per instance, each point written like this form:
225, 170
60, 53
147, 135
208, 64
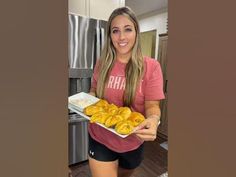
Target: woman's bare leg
103, 169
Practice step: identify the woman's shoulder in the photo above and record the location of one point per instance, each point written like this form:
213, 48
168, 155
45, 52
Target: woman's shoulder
151, 62
151, 66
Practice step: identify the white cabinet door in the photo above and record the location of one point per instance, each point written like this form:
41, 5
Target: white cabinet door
98, 9
80, 7
101, 9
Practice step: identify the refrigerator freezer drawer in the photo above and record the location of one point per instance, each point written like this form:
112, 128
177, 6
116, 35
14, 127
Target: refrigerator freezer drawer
78, 141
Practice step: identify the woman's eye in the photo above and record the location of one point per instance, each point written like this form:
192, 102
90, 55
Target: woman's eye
115, 31
128, 29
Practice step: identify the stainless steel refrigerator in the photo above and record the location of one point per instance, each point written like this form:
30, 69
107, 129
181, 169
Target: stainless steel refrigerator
86, 39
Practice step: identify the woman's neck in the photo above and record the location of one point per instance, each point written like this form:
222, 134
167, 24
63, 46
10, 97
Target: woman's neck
123, 58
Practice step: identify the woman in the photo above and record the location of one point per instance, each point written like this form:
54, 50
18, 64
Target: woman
124, 77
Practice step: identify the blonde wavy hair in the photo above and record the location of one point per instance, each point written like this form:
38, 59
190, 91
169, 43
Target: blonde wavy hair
135, 66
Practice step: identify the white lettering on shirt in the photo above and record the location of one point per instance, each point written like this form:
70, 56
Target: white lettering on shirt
111, 79
116, 82
122, 85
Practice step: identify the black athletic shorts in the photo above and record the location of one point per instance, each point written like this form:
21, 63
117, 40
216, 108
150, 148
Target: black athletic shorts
127, 160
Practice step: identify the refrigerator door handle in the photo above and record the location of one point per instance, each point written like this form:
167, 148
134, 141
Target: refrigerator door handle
97, 42
102, 38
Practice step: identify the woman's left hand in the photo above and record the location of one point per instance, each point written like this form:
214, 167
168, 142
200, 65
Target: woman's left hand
147, 130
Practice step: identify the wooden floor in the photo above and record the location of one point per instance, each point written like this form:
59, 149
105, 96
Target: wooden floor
153, 165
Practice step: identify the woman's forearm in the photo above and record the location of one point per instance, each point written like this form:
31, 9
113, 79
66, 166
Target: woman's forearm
152, 110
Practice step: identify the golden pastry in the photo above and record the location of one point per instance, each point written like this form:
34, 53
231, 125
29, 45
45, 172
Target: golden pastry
136, 118
111, 109
102, 103
124, 112
90, 110
122, 119
124, 127
99, 117
113, 120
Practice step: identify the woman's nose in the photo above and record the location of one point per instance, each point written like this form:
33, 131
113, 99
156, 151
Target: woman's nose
122, 35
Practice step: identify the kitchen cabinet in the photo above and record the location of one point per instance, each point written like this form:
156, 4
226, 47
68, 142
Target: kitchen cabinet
79, 7
162, 58
103, 9
94, 8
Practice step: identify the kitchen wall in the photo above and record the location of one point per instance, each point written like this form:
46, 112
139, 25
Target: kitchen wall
154, 21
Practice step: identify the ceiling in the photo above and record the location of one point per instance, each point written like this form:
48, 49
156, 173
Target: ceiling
143, 7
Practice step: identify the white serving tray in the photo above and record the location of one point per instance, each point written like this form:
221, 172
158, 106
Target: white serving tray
82, 100
79, 108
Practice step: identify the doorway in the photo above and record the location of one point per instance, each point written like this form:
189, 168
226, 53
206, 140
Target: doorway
148, 43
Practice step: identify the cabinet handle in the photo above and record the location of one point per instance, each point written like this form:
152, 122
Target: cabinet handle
166, 86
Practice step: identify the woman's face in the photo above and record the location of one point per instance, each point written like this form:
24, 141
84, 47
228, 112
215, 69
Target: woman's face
123, 36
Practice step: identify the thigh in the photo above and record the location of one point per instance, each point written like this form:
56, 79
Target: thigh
132, 159
102, 161
103, 169
100, 152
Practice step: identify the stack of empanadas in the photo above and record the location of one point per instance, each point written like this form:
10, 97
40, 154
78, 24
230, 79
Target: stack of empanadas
122, 119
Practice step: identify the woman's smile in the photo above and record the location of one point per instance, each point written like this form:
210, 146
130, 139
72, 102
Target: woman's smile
122, 44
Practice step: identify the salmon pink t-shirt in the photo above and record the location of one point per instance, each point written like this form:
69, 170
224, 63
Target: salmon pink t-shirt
149, 89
